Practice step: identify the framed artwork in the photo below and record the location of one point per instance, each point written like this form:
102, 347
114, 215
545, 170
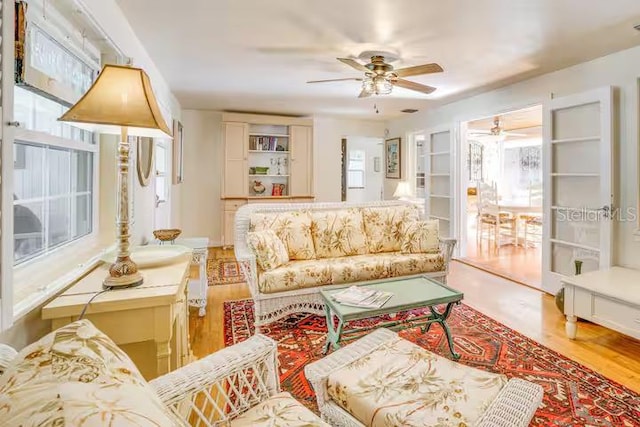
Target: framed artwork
178, 160
392, 158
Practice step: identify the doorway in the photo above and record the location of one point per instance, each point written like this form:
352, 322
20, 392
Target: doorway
503, 213
362, 177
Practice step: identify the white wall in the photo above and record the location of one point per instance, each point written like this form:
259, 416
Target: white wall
373, 181
200, 193
327, 135
620, 70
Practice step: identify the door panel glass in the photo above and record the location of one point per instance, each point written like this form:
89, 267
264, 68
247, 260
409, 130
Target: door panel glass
563, 259
444, 228
440, 185
440, 142
577, 122
439, 207
576, 157
577, 192
439, 164
576, 226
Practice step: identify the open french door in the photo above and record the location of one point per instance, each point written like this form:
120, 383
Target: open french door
578, 185
440, 179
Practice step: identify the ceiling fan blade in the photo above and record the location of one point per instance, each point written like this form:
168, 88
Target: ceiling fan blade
418, 69
353, 63
364, 94
413, 86
515, 134
479, 131
336, 80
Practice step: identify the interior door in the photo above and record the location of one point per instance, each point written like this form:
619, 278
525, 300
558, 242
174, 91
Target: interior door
439, 179
578, 186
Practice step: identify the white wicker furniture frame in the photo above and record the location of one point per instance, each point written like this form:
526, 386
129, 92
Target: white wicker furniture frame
271, 307
217, 388
514, 406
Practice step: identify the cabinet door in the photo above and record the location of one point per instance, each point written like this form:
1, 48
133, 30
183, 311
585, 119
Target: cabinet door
236, 170
228, 230
301, 161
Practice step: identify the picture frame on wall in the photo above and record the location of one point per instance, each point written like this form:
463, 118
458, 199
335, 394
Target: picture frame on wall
392, 158
178, 158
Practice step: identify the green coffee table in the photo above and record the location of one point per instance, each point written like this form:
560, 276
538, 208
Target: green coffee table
408, 293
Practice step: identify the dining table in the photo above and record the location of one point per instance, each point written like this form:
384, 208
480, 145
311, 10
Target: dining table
518, 208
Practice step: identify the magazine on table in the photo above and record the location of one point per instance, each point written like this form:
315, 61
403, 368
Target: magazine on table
361, 296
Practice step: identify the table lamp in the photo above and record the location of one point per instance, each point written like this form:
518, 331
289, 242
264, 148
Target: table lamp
120, 102
403, 191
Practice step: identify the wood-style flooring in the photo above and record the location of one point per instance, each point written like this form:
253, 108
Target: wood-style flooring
528, 311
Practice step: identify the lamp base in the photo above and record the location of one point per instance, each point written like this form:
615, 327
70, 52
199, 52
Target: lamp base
123, 274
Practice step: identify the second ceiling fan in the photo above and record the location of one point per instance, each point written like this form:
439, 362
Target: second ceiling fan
380, 77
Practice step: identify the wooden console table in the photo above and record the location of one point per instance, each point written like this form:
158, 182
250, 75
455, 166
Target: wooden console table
609, 298
150, 322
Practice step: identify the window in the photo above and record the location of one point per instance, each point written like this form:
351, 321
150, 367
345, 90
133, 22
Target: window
356, 169
53, 200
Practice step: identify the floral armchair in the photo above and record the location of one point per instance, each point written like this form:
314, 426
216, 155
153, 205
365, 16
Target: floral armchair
77, 376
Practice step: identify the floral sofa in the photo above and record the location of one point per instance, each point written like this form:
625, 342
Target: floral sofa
289, 251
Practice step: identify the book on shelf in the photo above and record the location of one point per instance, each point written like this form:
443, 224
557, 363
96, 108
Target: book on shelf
361, 296
263, 143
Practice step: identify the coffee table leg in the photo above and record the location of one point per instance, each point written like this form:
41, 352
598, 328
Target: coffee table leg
333, 333
442, 319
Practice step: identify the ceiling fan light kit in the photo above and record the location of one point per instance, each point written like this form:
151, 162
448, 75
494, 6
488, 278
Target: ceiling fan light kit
380, 77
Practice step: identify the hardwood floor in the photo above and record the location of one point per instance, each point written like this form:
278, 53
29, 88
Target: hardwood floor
529, 311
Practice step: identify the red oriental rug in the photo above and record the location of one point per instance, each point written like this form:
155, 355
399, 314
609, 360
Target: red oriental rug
574, 394
224, 271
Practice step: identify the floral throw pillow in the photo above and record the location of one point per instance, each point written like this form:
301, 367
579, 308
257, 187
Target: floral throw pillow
269, 250
421, 237
338, 233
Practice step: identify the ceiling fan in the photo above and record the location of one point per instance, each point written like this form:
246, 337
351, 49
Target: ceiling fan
496, 132
380, 77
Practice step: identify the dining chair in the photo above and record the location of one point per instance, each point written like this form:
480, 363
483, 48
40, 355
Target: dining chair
489, 215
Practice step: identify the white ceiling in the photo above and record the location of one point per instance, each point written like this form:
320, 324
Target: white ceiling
256, 55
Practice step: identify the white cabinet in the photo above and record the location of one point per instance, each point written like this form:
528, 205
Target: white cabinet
235, 178
301, 169
267, 159
608, 297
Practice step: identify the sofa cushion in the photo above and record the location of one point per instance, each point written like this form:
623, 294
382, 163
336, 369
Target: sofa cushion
293, 228
384, 226
77, 376
296, 275
402, 384
359, 268
269, 250
421, 237
338, 233
408, 264
278, 410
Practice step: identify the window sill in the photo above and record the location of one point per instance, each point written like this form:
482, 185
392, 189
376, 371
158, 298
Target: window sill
40, 280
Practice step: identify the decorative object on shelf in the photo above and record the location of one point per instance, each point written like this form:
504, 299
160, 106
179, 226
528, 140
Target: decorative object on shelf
167, 234
392, 158
120, 101
278, 190
144, 150
403, 191
261, 170
279, 163
280, 148
258, 187
178, 159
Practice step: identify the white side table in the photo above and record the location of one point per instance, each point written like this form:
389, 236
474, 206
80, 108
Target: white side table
198, 287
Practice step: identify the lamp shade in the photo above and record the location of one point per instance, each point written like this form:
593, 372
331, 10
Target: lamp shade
403, 190
120, 96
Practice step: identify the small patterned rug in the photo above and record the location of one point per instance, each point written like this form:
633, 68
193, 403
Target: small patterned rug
224, 271
574, 394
